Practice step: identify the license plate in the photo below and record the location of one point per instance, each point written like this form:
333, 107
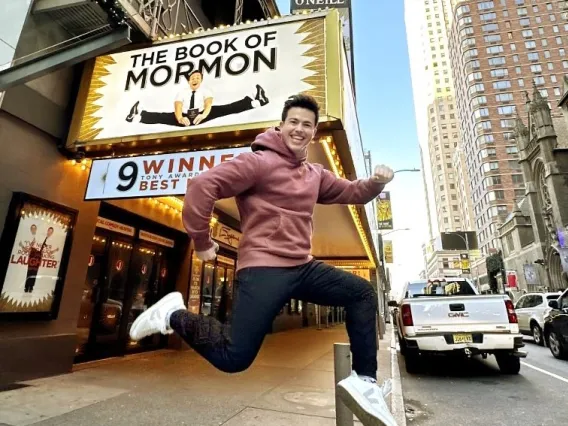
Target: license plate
463, 338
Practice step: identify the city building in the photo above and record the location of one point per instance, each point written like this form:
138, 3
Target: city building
499, 49
92, 191
534, 235
452, 255
427, 24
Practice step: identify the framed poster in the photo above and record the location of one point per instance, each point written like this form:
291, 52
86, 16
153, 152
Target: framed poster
34, 253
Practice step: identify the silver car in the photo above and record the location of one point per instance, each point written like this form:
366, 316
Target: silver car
531, 309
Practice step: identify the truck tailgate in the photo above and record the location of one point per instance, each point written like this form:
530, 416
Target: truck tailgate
459, 313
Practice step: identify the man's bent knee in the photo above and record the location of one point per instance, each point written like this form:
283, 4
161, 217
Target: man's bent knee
236, 365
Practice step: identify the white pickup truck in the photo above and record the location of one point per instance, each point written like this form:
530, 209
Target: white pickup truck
447, 316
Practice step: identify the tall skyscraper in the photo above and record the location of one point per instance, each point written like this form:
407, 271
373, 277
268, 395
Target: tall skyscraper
499, 49
427, 26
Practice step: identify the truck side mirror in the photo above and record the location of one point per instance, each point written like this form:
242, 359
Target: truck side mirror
553, 304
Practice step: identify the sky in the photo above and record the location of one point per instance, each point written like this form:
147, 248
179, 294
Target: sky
386, 117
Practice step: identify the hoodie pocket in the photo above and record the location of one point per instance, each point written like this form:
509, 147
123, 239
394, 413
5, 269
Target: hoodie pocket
292, 237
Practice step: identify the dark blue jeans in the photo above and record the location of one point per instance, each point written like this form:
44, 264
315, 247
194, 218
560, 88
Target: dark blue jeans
260, 295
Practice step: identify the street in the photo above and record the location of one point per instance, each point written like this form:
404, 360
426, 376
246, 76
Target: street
475, 393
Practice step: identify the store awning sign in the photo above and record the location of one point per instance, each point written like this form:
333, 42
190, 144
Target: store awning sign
157, 239
152, 175
203, 84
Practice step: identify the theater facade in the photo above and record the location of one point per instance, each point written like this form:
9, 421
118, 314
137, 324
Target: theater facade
93, 232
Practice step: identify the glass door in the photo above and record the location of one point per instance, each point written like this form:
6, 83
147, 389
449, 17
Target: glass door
145, 289
108, 296
207, 288
92, 288
218, 292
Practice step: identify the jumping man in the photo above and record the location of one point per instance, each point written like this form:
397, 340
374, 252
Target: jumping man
276, 191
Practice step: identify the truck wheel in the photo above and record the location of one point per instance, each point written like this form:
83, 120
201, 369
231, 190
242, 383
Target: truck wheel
412, 361
402, 345
508, 363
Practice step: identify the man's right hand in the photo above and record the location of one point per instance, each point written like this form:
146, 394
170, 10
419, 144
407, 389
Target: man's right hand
208, 254
184, 121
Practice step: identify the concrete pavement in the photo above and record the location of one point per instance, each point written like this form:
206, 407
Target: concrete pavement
475, 393
291, 382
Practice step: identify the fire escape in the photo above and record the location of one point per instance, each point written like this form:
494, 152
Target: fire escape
83, 29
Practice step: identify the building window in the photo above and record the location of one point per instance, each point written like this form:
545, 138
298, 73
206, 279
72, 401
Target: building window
512, 150
504, 97
506, 110
527, 33
493, 50
488, 16
536, 68
539, 81
499, 72
497, 61
557, 91
518, 179
493, 38
533, 56
500, 85
530, 44
525, 22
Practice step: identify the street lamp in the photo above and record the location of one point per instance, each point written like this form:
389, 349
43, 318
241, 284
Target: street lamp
466, 241
395, 230
407, 170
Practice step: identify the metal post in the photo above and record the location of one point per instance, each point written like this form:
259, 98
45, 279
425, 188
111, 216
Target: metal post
327, 317
318, 317
342, 369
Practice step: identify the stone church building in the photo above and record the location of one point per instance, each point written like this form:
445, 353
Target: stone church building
534, 237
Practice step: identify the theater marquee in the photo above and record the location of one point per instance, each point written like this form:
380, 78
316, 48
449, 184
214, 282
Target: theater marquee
220, 81
151, 175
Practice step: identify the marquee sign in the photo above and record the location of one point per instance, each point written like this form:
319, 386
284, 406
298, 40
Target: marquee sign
208, 83
152, 175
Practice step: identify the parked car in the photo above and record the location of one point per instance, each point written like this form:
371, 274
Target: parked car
448, 316
556, 327
531, 309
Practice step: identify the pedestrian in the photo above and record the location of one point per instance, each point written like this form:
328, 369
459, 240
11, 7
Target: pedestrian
276, 191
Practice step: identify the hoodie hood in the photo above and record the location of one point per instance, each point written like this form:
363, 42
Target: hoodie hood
272, 140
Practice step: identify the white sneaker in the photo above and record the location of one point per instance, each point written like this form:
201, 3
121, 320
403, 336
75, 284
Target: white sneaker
153, 319
366, 400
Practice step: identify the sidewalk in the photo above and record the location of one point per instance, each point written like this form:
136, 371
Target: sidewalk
290, 383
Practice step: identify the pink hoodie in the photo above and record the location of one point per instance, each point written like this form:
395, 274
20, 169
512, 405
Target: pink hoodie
276, 194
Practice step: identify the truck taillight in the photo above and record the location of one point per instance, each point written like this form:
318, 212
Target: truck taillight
511, 312
406, 316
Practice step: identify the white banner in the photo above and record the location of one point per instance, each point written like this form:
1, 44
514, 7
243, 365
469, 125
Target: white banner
152, 175
157, 239
223, 80
111, 225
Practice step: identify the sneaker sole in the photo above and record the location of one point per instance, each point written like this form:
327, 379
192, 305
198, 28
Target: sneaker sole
358, 408
148, 312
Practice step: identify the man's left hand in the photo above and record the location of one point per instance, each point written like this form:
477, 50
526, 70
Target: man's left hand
383, 174
199, 119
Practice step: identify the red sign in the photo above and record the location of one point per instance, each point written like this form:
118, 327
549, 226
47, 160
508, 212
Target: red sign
91, 260
144, 269
119, 265
163, 272
512, 279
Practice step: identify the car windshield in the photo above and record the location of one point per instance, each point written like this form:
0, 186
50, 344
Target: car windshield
454, 287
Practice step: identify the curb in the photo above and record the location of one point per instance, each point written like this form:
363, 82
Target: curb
397, 400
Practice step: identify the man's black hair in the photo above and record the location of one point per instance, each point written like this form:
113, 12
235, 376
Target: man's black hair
195, 72
301, 101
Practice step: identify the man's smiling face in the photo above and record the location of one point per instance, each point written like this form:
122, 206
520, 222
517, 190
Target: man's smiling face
298, 129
